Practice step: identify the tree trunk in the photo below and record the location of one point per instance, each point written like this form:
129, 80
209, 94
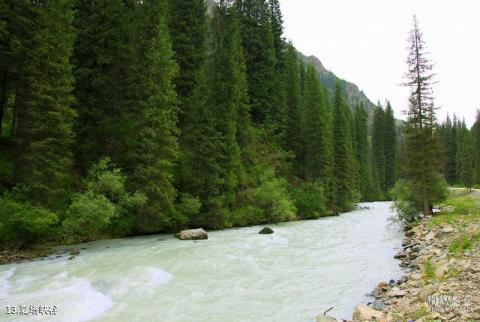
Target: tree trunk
3, 96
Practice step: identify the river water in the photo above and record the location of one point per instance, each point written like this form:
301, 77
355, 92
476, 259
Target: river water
298, 272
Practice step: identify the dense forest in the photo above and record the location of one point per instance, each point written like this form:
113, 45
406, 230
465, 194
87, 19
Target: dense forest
128, 117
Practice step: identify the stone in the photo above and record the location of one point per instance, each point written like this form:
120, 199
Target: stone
71, 257
363, 312
192, 234
427, 290
325, 318
382, 285
266, 231
430, 236
75, 252
441, 270
396, 292
400, 255
378, 305
402, 280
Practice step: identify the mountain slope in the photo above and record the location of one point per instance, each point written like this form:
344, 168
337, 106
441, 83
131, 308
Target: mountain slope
354, 94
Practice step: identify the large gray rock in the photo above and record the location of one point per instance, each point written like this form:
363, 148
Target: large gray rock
192, 234
363, 312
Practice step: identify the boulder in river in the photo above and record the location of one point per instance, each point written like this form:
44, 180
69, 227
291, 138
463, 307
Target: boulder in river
192, 234
266, 231
363, 312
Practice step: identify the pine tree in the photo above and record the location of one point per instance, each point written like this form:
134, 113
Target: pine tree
153, 98
362, 154
294, 139
43, 103
378, 151
259, 49
343, 154
101, 60
447, 131
4, 59
423, 155
476, 148
213, 153
390, 148
188, 30
318, 133
464, 156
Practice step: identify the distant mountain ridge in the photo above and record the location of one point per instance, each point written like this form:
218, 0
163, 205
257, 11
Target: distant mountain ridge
328, 78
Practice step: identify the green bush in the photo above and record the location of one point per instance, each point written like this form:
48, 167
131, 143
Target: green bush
22, 224
188, 206
104, 208
405, 203
309, 200
271, 196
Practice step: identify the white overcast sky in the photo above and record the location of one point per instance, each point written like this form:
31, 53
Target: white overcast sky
364, 41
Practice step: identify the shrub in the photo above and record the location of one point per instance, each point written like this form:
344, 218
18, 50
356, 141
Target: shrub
406, 204
105, 206
309, 200
272, 198
22, 224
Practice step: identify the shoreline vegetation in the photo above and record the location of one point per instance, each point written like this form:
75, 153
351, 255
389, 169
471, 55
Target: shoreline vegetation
441, 259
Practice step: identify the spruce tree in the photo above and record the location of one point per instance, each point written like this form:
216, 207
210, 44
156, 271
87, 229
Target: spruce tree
344, 159
152, 97
423, 155
464, 156
476, 148
4, 59
259, 49
318, 133
213, 153
390, 148
188, 31
378, 150
294, 139
101, 59
362, 153
43, 103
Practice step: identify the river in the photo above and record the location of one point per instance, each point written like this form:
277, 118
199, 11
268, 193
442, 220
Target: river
298, 272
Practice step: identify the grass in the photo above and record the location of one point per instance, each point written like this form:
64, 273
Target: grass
429, 270
420, 312
464, 206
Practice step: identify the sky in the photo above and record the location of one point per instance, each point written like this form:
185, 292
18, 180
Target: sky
365, 41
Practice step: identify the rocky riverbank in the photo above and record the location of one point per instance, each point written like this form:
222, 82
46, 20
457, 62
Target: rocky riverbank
441, 258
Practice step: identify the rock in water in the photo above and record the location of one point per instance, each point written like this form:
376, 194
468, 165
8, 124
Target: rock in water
192, 234
363, 312
266, 231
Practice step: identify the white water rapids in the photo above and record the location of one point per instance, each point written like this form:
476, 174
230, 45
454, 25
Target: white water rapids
293, 275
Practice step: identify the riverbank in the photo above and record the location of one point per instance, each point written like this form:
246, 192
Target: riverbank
441, 257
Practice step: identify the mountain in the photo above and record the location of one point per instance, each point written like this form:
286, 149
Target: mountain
353, 93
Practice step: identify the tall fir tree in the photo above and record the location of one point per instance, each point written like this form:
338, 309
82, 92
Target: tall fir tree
318, 134
188, 31
101, 60
153, 97
344, 160
43, 101
214, 153
476, 148
378, 150
5, 14
362, 154
464, 156
294, 139
259, 49
423, 150
390, 148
